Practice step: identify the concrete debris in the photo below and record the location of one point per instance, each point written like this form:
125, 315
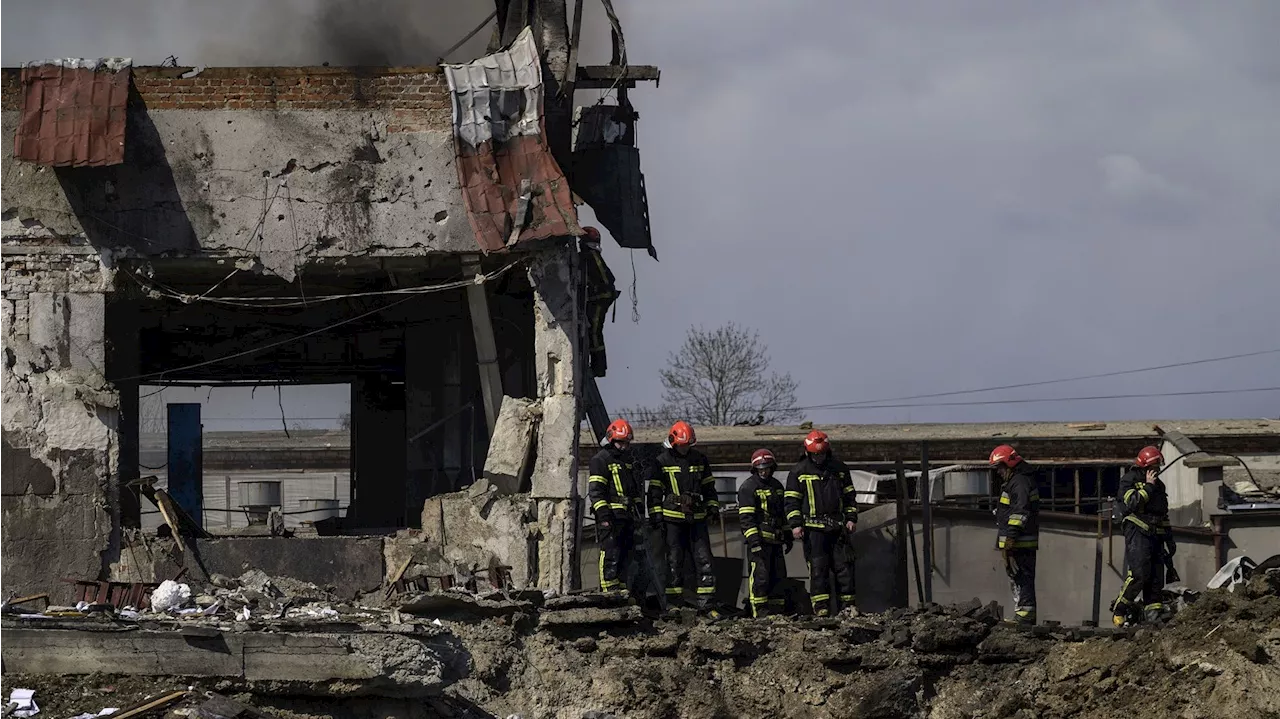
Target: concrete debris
170, 596
593, 655
510, 456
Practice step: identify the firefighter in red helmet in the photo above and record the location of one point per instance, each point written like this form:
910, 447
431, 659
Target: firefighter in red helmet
762, 517
617, 499
682, 497
822, 511
1148, 540
1018, 528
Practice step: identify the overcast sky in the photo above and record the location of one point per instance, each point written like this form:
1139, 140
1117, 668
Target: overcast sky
903, 197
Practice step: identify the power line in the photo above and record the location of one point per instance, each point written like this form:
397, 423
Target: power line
969, 403
272, 345
852, 404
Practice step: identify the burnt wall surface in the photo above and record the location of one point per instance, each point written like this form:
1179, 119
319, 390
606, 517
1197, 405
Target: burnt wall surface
60, 444
273, 165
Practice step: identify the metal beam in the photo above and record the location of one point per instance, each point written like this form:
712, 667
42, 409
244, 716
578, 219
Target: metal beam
486, 345
605, 77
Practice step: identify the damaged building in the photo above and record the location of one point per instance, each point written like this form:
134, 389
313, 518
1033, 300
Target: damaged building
409, 231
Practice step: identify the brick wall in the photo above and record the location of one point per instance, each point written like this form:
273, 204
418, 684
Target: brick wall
49, 271
280, 88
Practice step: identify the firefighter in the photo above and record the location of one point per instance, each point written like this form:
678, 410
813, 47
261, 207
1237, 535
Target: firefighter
682, 496
762, 517
822, 512
1018, 528
1148, 539
617, 499
601, 293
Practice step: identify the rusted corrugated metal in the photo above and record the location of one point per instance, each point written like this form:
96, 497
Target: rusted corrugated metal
513, 188
73, 113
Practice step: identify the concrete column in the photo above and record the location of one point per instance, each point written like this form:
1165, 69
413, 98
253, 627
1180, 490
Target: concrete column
61, 419
559, 371
486, 345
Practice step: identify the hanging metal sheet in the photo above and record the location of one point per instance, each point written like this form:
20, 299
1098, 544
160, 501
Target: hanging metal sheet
513, 188
73, 113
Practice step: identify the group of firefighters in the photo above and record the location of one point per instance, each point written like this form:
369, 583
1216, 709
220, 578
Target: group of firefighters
817, 507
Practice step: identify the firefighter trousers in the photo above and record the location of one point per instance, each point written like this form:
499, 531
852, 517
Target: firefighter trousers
827, 552
1144, 575
1022, 580
768, 569
617, 549
598, 310
690, 539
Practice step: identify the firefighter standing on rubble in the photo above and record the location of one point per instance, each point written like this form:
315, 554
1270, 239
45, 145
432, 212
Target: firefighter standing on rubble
1018, 528
1148, 539
617, 499
601, 292
822, 512
682, 496
762, 517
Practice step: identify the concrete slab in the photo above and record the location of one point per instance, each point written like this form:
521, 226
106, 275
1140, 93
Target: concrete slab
377, 663
508, 462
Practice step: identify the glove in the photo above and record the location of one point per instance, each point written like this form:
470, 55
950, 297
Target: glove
604, 517
1170, 548
788, 544
713, 511
655, 520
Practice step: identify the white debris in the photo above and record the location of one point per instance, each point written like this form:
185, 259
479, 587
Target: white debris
244, 614
25, 699
105, 712
437, 622
170, 595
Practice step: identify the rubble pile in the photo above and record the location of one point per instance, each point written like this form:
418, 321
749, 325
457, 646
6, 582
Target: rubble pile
531, 655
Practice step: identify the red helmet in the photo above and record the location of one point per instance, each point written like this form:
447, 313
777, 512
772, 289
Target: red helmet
817, 442
619, 431
681, 435
762, 458
590, 234
1004, 454
1149, 457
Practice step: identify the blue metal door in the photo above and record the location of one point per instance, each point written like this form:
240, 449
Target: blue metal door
185, 469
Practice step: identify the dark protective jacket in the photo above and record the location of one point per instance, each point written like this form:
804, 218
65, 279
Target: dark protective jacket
1144, 505
681, 489
613, 486
820, 497
1018, 518
761, 510
601, 284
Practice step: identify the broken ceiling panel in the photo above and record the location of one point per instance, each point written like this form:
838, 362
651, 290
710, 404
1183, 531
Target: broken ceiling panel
73, 112
512, 186
606, 174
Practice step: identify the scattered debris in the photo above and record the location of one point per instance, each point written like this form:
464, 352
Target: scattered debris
170, 595
22, 703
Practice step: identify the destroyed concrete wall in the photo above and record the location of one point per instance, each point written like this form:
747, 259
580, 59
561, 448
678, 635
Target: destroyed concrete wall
59, 419
482, 530
282, 164
966, 563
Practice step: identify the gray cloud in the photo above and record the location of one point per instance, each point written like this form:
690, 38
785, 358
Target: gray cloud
970, 193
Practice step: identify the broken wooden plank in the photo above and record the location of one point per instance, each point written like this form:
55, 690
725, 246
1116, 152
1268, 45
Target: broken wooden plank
152, 705
1087, 426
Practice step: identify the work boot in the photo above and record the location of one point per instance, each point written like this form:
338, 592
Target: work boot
822, 612
1153, 616
762, 612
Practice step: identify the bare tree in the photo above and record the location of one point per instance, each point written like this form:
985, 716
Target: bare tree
721, 377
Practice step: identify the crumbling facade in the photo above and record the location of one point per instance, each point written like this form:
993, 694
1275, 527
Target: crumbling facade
409, 231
